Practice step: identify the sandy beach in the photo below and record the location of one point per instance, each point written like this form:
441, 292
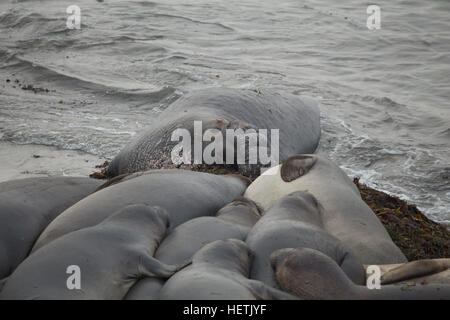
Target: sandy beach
26, 161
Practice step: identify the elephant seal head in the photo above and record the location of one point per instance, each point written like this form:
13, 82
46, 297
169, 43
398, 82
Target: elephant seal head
296, 166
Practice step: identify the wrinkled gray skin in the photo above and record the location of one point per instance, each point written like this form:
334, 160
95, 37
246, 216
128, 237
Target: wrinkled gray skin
112, 256
186, 239
309, 274
298, 120
146, 289
428, 270
185, 195
219, 271
296, 221
232, 221
345, 215
241, 211
27, 206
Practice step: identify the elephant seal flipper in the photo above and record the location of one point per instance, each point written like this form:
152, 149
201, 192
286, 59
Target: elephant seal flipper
296, 166
2, 283
151, 267
415, 269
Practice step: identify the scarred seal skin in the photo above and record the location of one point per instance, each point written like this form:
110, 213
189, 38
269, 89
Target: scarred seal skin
297, 118
344, 214
310, 274
185, 195
27, 206
219, 271
111, 257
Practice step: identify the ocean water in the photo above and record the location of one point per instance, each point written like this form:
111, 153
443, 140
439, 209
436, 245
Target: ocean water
384, 94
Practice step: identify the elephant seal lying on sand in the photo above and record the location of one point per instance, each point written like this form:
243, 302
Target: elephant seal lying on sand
111, 256
295, 221
309, 274
298, 121
186, 239
184, 194
344, 214
219, 271
241, 211
232, 221
27, 206
428, 271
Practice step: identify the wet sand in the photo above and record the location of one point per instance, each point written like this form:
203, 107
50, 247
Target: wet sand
26, 161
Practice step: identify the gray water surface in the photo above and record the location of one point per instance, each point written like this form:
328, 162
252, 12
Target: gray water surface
384, 94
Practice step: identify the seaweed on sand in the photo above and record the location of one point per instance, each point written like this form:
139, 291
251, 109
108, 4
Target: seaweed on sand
416, 235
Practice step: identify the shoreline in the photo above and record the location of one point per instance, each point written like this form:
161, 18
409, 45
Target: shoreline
31, 160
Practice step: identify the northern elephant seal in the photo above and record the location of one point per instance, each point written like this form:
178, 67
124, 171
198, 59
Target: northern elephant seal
297, 118
426, 270
296, 221
186, 239
231, 222
345, 214
111, 257
219, 271
27, 206
310, 274
185, 195
241, 211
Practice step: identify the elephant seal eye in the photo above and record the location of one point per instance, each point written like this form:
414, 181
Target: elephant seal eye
296, 166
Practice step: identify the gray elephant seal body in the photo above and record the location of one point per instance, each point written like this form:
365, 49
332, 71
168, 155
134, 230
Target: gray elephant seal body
27, 206
219, 271
295, 221
345, 215
309, 274
185, 195
146, 289
231, 222
241, 211
425, 270
185, 240
298, 120
111, 256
